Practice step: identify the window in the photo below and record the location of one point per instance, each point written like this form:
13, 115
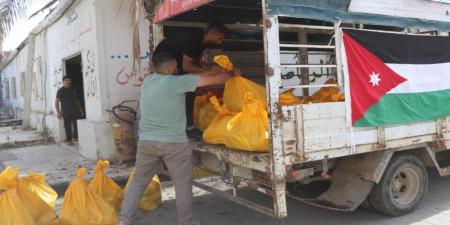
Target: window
13, 87
22, 84
6, 82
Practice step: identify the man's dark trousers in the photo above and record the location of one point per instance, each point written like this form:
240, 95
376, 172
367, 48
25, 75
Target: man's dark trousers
69, 120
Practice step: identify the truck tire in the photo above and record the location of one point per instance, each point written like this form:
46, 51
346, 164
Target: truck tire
402, 187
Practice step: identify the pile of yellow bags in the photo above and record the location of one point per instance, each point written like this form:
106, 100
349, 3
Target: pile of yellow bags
246, 130
242, 121
329, 94
325, 94
19, 205
98, 202
29, 200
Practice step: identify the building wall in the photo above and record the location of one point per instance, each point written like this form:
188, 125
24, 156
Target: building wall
100, 31
13, 85
115, 40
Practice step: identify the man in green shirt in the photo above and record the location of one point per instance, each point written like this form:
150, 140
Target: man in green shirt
162, 136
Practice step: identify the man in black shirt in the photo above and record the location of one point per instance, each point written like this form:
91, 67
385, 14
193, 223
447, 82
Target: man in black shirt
70, 109
188, 48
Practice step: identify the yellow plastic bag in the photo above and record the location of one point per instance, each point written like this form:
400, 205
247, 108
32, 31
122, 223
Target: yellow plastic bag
288, 98
329, 94
42, 213
237, 86
13, 211
151, 198
217, 132
36, 184
224, 62
106, 187
83, 206
200, 102
207, 114
249, 128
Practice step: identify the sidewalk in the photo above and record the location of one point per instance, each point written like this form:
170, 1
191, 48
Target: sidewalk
14, 136
57, 162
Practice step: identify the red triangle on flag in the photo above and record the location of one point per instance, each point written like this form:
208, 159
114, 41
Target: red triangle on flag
370, 78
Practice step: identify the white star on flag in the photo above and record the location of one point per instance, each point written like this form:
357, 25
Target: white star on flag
374, 79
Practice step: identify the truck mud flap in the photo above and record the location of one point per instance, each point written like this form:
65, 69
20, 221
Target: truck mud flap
346, 193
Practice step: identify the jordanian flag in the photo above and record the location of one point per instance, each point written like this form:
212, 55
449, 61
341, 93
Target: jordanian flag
397, 78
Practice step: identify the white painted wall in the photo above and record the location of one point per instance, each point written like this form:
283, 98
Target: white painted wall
115, 35
14, 104
99, 30
41, 105
73, 34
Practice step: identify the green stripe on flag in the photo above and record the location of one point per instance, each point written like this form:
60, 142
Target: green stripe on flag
407, 108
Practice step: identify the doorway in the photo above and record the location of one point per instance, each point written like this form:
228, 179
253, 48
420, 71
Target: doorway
74, 71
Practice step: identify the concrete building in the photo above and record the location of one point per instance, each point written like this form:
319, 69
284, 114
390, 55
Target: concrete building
90, 41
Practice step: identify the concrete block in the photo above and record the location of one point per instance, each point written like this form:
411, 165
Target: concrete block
96, 140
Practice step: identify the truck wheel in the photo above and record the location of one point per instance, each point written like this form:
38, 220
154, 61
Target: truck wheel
402, 187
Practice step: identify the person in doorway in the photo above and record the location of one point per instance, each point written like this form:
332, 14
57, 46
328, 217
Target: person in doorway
162, 136
188, 48
68, 108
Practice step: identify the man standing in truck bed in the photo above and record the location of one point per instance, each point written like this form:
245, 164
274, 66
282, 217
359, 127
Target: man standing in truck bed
162, 135
187, 48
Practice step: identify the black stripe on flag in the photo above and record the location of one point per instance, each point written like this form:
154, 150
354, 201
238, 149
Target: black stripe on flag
402, 48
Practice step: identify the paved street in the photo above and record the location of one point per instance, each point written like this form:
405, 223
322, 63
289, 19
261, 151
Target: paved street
60, 165
212, 210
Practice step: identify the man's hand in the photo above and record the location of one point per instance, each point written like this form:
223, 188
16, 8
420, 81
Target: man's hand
216, 78
59, 115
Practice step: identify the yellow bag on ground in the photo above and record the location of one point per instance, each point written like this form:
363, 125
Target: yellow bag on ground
237, 86
43, 213
106, 187
207, 114
151, 198
13, 211
83, 206
217, 132
199, 103
36, 184
288, 98
249, 128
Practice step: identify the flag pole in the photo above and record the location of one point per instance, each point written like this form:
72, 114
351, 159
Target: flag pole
344, 68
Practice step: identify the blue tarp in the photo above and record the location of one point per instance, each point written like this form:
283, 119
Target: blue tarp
333, 10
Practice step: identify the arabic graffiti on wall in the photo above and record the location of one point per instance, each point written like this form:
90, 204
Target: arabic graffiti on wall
57, 75
124, 77
90, 79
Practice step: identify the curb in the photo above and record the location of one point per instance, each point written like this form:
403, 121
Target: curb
61, 187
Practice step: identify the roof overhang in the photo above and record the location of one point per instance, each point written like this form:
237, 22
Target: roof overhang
171, 8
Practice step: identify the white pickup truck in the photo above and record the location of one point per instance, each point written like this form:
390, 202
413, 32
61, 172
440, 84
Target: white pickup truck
382, 167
